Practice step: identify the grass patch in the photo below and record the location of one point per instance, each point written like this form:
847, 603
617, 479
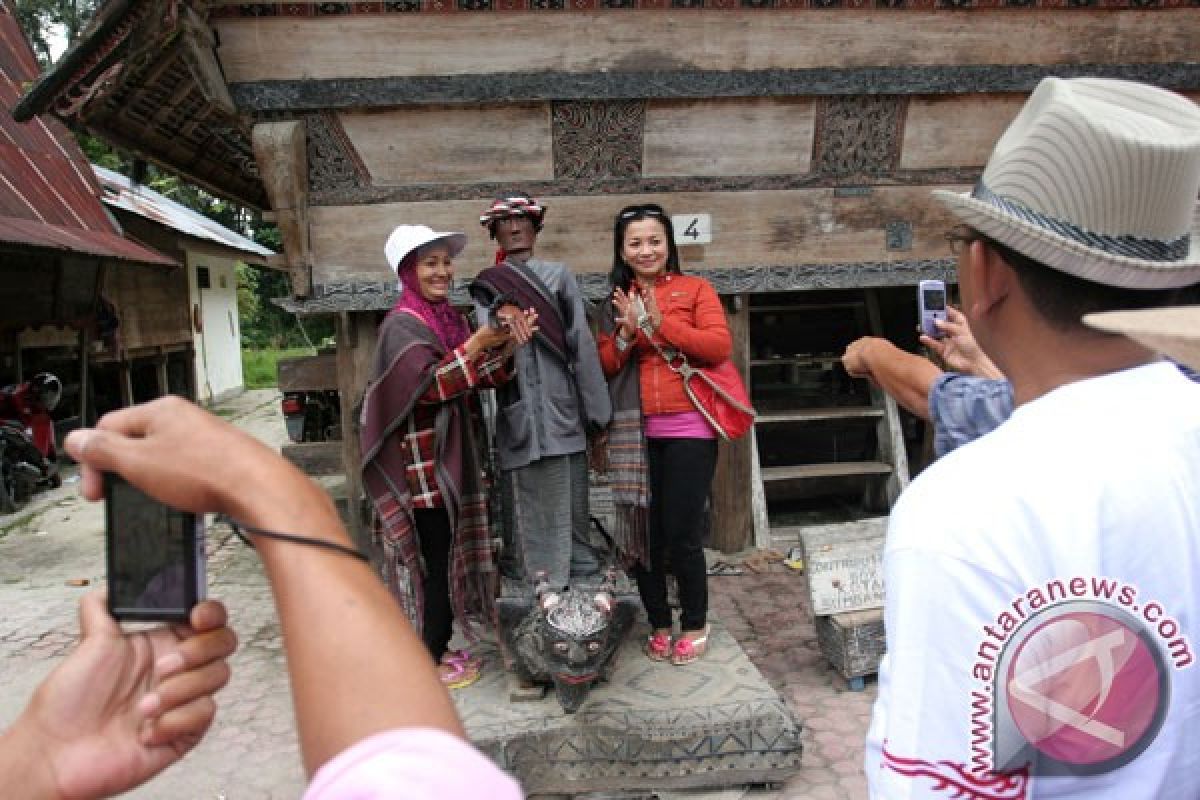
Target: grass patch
258, 366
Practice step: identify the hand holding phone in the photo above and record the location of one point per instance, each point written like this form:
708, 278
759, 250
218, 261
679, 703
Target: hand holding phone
155, 555
931, 301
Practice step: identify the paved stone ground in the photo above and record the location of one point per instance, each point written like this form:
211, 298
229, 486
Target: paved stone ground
251, 751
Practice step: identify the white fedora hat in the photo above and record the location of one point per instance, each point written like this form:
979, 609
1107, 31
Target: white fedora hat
1174, 332
1097, 178
407, 238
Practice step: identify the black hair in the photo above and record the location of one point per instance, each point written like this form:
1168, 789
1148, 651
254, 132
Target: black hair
1063, 299
621, 275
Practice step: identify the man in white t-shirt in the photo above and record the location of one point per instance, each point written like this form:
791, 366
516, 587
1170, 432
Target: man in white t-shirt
1043, 610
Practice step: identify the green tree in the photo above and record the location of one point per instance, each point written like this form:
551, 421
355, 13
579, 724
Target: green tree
46, 22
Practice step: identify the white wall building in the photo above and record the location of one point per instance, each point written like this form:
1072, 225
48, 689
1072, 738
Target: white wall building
210, 252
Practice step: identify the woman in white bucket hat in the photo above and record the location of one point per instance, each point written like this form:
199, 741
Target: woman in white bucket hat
421, 464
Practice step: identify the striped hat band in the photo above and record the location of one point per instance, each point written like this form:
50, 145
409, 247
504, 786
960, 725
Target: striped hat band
1129, 246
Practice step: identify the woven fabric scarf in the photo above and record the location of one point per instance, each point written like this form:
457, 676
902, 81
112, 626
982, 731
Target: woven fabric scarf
405, 357
627, 473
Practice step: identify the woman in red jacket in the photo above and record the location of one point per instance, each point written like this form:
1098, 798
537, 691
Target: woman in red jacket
662, 452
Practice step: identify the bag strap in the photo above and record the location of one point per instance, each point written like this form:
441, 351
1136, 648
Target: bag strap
677, 362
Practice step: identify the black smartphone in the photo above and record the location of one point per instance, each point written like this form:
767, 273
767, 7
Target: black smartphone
156, 568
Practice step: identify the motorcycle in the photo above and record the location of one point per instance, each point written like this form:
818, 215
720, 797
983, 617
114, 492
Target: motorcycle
314, 416
28, 450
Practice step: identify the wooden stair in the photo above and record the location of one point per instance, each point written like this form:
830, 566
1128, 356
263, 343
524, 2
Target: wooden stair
836, 469
882, 475
819, 414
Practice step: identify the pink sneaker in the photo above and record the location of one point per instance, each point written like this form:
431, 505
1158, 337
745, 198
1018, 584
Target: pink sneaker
658, 646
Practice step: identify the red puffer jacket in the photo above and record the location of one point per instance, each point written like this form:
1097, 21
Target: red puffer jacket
693, 321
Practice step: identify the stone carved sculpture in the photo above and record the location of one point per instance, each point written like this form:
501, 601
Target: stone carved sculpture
566, 638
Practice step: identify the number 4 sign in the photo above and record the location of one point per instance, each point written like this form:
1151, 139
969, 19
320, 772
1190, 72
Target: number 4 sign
692, 228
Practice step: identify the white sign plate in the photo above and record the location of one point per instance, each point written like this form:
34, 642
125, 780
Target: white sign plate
692, 228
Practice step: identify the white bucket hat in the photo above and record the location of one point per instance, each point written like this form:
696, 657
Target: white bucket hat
407, 238
1097, 178
1174, 332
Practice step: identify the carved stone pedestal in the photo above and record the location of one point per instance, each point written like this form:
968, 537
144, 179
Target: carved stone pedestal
712, 724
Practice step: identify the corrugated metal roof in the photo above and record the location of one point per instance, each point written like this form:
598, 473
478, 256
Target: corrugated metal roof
120, 192
49, 197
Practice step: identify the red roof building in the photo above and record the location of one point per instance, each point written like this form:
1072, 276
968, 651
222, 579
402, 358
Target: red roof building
49, 196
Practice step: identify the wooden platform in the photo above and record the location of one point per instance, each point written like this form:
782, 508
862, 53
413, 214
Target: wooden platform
654, 727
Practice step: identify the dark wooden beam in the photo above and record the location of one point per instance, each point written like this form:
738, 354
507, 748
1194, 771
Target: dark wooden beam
311, 95
380, 296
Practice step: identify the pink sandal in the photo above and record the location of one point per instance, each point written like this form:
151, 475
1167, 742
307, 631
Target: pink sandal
457, 674
463, 657
688, 650
658, 646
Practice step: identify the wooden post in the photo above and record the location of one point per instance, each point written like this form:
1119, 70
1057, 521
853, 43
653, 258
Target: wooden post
355, 346
732, 511
279, 148
125, 369
160, 372
85, 346
189, 380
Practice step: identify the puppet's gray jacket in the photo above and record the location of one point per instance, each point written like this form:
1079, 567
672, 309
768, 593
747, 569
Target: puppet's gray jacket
548, 407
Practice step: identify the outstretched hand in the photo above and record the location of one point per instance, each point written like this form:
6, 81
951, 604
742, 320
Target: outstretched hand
123, 706
857, 358
957, 348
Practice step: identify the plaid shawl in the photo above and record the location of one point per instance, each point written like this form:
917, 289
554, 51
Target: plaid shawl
402, 369
627, 473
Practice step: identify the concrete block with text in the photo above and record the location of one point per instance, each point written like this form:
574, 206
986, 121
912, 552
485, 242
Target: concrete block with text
844, 565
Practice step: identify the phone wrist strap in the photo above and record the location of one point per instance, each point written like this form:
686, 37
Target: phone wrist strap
242, 529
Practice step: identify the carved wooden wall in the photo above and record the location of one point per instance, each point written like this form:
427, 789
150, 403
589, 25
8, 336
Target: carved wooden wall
811, 135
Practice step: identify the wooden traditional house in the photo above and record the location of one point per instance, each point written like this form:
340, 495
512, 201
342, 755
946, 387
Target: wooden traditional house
796, 139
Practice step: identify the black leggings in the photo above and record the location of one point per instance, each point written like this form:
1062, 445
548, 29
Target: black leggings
434, 534
680, 477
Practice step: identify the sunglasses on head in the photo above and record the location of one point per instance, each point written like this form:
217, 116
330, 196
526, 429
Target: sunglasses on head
648, 210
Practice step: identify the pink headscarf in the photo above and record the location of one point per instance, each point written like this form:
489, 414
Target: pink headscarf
443, 319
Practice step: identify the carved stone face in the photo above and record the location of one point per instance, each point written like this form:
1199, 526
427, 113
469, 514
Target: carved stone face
568, 639
576, 631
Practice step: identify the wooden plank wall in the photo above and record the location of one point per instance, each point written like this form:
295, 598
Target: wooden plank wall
750, 228
152, 305
452, 145
812, 137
